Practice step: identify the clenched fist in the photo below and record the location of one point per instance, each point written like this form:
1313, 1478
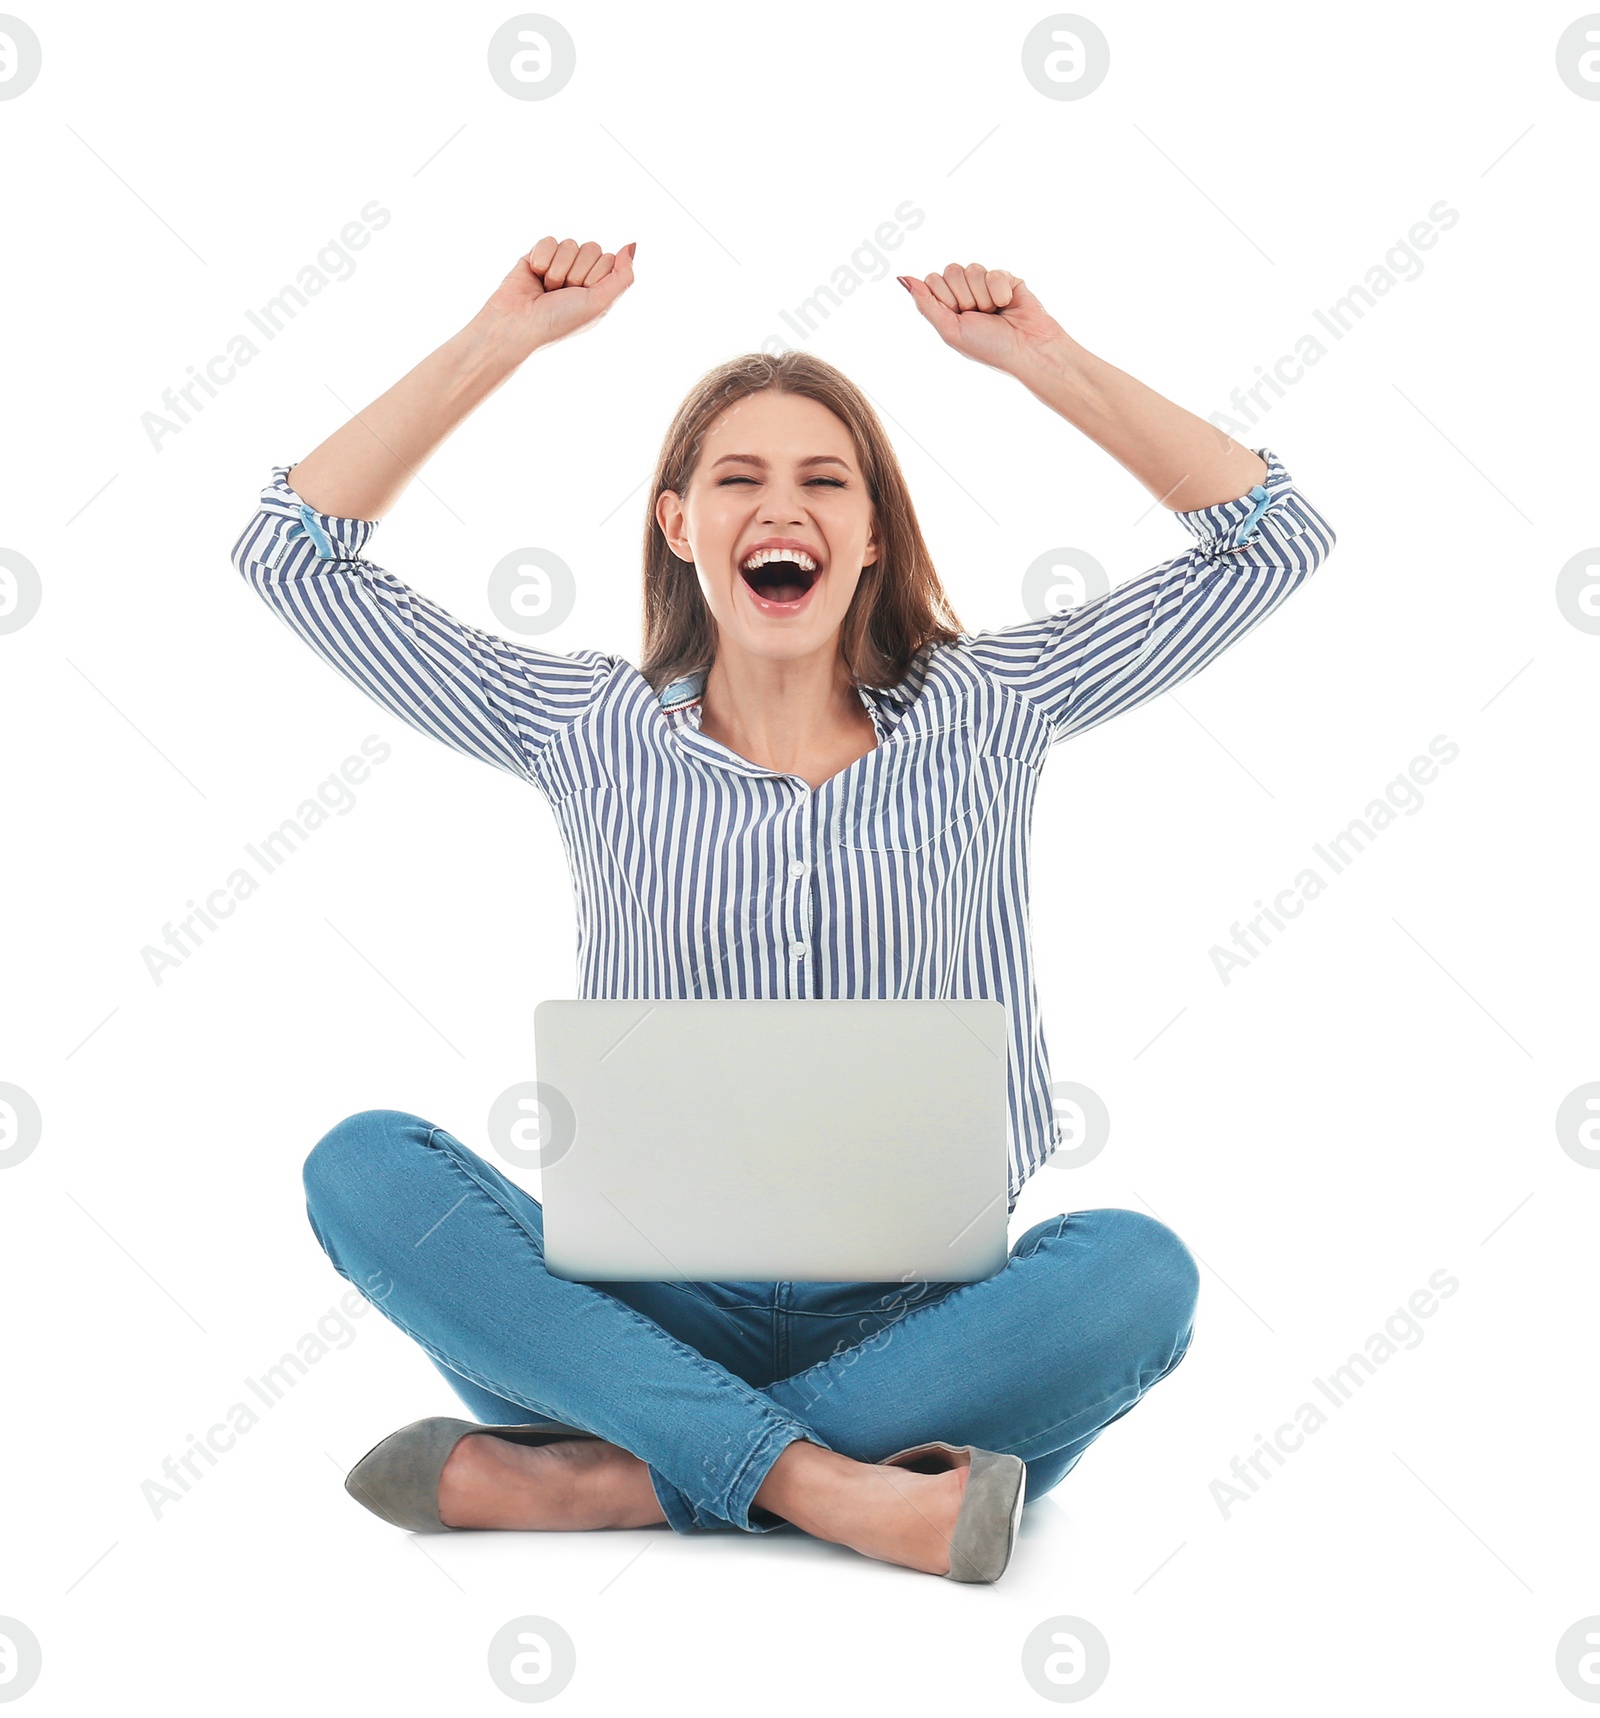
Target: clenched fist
985, 314
560, 287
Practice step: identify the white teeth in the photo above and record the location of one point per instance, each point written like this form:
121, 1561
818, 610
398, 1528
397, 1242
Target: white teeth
762, 556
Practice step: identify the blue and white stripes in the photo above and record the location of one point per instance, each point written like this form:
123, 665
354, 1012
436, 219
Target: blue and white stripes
701, 874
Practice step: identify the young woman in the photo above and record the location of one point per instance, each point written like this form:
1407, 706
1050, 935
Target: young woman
816, 785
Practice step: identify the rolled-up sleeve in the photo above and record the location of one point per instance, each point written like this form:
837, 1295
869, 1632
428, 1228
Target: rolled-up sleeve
495, 700
1151, 633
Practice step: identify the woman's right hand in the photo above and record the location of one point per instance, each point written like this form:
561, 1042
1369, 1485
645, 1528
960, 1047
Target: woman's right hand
558, 288
361, 470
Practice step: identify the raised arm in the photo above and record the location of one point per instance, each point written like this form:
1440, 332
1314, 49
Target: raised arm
1185, 462
303, 552
360, 471
1256, 537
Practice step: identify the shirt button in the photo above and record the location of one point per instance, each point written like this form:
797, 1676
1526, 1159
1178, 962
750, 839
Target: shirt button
797, 951
797, 867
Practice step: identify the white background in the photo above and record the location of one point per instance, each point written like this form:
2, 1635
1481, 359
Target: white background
1372, 1100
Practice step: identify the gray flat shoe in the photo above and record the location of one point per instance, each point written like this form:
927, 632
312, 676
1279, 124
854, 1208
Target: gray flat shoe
398, 1479
991, 1506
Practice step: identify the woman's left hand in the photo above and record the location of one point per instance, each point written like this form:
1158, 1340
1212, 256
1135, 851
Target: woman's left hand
985, 314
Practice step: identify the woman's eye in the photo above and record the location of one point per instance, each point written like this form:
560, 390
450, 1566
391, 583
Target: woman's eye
837, 482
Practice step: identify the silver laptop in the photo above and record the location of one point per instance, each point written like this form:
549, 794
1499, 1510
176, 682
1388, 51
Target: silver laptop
768, 1141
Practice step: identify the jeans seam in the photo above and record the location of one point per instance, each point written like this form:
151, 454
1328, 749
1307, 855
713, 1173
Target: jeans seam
1142, 1389
1072, 1419
465, 1169
861, 1311
755, 1453
872, 1336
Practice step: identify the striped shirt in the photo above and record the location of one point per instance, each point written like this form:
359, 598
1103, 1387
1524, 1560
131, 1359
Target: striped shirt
701, 874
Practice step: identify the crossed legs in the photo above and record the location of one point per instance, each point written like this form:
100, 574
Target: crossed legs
1091, 1309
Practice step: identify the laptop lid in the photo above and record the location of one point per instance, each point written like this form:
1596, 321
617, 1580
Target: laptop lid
814, 1140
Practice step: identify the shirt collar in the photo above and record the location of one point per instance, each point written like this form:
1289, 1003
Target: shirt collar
680, 701
688, 689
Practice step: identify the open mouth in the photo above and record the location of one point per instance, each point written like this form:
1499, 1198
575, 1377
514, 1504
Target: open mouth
780, 579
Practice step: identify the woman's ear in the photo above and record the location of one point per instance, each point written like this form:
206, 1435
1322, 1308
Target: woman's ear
669, 516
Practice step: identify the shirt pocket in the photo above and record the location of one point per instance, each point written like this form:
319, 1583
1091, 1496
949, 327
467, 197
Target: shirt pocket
567, 770
925, 793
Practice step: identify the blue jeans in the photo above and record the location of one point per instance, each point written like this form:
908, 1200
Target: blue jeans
707, 1383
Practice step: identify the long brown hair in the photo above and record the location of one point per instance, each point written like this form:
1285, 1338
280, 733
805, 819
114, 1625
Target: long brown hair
899, 605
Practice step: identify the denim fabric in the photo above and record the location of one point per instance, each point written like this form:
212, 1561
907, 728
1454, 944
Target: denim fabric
708, 1382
